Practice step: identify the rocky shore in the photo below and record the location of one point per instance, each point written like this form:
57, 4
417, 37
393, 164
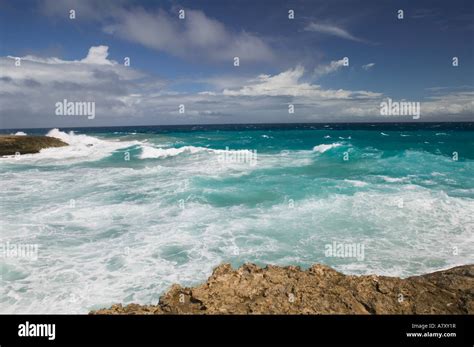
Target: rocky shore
317, 290
12, 144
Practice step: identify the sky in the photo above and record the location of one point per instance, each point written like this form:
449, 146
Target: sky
332, 61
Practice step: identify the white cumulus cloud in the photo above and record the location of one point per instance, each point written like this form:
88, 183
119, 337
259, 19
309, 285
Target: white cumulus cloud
289, 83
333, 66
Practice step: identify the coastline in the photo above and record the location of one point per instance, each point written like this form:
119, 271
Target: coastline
27, 144
317, 290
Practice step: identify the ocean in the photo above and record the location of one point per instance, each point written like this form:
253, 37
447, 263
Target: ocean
124, 212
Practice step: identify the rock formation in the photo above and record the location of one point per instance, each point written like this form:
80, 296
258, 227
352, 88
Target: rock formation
317, 290
11, 144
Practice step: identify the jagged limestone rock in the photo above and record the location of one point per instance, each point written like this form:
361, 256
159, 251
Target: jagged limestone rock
317, 290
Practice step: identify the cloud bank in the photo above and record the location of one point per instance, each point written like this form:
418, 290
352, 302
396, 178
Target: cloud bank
163, 31
126, 96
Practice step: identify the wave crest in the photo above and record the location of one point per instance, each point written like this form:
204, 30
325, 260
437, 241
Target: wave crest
323, 148
149, 152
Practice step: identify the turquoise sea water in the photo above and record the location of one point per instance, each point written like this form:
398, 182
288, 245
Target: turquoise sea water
122, 213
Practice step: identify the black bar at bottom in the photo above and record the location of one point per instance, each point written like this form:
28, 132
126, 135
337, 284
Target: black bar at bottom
446, 330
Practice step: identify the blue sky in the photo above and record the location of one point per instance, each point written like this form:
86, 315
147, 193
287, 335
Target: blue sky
282, 61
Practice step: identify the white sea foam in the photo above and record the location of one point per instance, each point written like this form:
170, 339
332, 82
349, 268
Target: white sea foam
72, 139
149, 152
324, 147
357, 183
127, 240
20, 133
393, 179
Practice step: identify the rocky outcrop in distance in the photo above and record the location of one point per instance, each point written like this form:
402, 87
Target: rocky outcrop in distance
317, 290
12, 144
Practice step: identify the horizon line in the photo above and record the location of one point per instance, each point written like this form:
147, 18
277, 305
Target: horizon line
222, 124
